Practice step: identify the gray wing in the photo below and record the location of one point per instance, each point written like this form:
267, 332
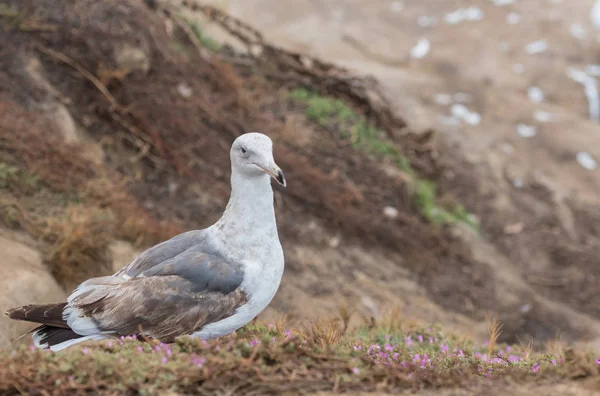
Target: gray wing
176, 297
163, 251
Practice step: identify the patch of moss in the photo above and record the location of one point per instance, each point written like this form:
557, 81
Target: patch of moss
365, 137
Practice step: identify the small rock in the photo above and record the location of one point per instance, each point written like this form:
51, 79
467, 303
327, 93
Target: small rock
543, 116
586, 160
519, 68
513, 18
184, 90
514, 228
500, 3
390, 212
525, 308
421, 49
518, 183
442, 99
536, 95
334, 242
577, 31
427, 21
536, 47
526, 131
397, 6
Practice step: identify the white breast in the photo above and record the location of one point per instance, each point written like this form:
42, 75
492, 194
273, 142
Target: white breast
261, 281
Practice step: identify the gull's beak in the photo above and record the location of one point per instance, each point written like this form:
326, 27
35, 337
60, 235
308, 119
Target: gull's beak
275, 172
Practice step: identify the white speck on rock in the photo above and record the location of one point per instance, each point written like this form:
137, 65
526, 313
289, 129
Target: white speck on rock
184, 90
526, 131
508, 148
334, 242
593, 70
536, 95
390, 212
586, 160
513, 18
536, 47
442, 99
421, 49
518, 183
525, 308
543, 116
463, 97
501, 3
463, 113
397, 6
464, 14
595, 15
577, 31
590, 88
519, 68
427, 21
504, 46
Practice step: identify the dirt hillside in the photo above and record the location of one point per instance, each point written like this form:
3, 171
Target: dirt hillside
115, 126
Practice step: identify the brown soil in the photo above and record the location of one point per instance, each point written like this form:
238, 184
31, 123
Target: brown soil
157, 161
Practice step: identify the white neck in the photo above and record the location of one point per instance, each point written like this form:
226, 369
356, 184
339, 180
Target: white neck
249, 219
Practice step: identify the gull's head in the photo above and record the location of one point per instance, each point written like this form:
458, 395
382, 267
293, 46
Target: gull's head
252, 155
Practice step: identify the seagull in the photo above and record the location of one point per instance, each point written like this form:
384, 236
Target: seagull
203, 283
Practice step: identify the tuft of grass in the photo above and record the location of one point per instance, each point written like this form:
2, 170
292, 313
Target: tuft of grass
494, 331
334, 113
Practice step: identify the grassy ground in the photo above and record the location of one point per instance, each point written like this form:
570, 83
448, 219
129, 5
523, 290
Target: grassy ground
271, 359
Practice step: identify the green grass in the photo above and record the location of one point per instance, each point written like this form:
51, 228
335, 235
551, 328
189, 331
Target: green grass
334, 113
10, 175
270, 359
206, 41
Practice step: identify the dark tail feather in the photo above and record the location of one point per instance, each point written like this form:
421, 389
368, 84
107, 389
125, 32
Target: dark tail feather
48, 314
48, 336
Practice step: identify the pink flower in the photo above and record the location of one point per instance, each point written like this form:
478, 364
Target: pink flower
355, 370
84, 351
254, 342
388, 347
598, 361
110, 344
444, 348
357, 347
163, 360
536, 367
554, 362
420, 338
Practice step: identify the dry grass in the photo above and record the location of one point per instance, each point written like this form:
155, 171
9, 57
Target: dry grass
494, 331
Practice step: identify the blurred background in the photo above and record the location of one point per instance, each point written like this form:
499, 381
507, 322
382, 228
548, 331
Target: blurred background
441, 156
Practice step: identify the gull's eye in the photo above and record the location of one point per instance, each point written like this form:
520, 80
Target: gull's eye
244, 151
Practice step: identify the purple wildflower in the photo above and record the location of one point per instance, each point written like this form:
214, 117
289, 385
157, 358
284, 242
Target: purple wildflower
355, 370
357, 347
140, 349
420, 338
554, 362
444, 348
84, 351
388, 347
409, 341
31, 348
254, 342
598, 361
536, 367
163, 360
110, 344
